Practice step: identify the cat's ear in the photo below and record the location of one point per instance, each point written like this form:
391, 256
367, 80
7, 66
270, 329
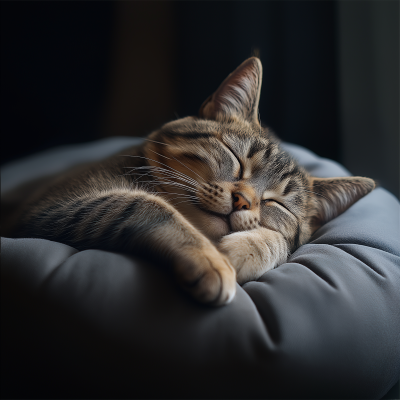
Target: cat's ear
332, 196
238, 95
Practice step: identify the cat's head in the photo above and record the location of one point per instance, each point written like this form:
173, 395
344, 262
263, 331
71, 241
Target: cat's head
227, 173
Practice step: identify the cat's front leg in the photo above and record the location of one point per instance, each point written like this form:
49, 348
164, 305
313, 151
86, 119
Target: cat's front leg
131, 221
254, 252
199, 267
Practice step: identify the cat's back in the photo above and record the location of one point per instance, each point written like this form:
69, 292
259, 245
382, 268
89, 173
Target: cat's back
19, 201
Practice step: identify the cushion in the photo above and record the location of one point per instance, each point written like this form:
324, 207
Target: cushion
326, 324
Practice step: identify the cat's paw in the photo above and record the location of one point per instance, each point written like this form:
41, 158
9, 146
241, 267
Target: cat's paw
252, 253
207, 275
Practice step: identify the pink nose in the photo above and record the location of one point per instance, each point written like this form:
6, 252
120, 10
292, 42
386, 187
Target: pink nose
240, 203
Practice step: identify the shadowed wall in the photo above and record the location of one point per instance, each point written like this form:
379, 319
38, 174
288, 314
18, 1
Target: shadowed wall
73, 72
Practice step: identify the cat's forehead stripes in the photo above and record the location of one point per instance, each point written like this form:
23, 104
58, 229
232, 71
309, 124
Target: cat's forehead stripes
238, 148
291, 185
252, 150
258, 146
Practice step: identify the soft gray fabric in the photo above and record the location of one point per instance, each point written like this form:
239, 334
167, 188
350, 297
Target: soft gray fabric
326, 324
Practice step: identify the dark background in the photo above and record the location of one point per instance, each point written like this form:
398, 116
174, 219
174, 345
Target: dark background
78, 71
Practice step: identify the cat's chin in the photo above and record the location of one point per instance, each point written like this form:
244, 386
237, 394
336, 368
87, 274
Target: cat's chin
213, 226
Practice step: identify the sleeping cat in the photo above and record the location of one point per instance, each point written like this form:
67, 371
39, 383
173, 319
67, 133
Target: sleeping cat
215, 195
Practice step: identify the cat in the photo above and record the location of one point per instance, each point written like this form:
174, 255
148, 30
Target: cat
214, 194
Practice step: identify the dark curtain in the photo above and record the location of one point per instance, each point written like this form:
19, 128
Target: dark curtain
58, 60
54, 66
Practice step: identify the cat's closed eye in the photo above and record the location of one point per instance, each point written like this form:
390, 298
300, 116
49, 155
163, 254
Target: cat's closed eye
274, 201
239, 173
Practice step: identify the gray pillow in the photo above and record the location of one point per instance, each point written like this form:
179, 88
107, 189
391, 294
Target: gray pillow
326, 324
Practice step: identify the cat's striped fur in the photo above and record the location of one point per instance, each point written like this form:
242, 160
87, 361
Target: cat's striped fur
214, 194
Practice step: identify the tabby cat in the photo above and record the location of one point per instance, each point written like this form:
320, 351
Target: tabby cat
215, 195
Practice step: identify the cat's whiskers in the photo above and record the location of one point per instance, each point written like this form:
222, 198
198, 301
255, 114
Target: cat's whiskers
155, 141
135, 181
178, 174
179, 163
182, 195
150, 159
147, 188
175, 201
165, 165
167, 177
187, 197
177, 185
159, 179
170, 170
183, 200
174, 174
171, 183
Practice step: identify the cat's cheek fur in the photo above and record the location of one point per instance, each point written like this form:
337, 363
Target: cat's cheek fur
213, 227
216, 228
244, 220
252, 253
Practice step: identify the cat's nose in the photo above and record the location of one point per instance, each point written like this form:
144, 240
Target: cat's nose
240, 202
